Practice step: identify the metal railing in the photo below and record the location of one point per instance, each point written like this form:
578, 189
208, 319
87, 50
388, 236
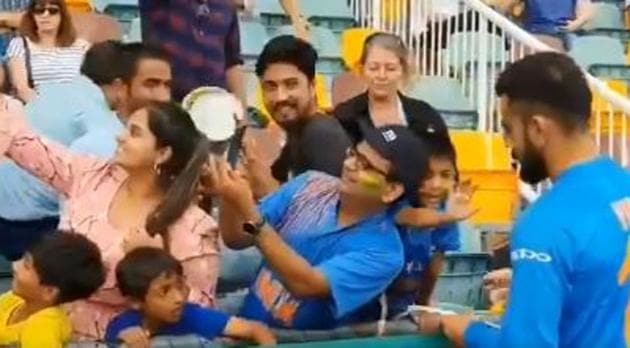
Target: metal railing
469, 41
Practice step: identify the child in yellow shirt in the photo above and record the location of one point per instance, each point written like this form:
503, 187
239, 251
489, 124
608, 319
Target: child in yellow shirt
62, 268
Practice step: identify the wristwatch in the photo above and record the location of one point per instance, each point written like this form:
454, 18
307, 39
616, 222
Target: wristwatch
253, 228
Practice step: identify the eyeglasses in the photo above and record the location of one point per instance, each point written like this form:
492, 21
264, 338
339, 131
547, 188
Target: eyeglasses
52, 11
362, 162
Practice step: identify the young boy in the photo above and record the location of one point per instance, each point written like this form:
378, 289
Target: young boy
153, 280
428, 232
62, 268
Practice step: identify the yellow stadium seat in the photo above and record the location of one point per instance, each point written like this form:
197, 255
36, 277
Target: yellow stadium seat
484, 159
352, 41
393, 11
601, 108
321, 93
79, 6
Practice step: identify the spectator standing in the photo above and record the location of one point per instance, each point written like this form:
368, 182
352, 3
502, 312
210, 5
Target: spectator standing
49, 50
553, 22
202, 39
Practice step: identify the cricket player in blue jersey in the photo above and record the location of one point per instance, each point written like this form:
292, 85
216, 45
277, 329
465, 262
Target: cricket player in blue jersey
569, 247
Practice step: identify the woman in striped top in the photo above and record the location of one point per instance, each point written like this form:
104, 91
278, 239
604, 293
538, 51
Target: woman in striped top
54, 51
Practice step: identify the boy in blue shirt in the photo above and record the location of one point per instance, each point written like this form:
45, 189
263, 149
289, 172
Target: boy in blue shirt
430, 231
154, 281
568, 247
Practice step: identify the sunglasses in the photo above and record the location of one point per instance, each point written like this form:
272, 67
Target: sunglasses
39, 11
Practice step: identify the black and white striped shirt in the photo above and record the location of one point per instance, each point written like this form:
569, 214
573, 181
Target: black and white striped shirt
51, 64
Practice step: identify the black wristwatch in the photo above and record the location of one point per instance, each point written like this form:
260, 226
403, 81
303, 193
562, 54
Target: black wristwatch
253, 228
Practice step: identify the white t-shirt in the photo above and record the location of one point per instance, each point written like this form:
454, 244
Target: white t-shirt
51, 64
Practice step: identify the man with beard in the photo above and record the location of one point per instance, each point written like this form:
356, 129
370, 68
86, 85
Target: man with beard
286, 70
568, 248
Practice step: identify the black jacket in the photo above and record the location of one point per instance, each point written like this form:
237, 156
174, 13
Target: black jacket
422, 118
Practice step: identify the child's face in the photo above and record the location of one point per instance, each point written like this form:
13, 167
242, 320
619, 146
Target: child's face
26, 283
165, 299
440, 181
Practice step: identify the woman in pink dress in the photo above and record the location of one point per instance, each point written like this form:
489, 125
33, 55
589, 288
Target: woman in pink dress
143, 197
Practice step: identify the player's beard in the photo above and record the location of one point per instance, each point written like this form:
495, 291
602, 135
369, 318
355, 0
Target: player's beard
532, 165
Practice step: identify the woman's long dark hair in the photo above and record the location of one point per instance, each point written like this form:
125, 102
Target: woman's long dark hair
179, 176
66, 36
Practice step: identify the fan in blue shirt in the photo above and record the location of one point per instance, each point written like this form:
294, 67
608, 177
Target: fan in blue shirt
568, 248
154, 281
329, 245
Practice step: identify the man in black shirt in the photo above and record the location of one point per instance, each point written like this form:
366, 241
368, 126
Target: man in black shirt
286, 70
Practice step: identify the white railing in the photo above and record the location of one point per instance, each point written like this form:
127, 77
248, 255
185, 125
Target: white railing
433, 30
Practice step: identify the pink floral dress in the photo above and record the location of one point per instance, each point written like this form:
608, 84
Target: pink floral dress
87, 186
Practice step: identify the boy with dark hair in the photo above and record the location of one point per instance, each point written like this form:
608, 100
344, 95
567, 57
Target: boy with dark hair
153, 280
62, 268
428, 231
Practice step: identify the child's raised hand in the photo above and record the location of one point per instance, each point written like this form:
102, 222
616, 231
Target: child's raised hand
135, 337
459, 205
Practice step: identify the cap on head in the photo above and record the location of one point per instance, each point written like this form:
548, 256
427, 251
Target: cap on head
405, 151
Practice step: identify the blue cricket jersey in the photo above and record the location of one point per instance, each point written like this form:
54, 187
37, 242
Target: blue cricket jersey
358, 261
567, 252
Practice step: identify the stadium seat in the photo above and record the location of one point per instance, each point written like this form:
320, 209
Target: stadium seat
606, 16
327, 46
464, 48
95, 27
345, 86
271, 14
332, 14
79, 6
446, 95
123, 10
485, 160
135, 31
253, 39
352, 41
590, 50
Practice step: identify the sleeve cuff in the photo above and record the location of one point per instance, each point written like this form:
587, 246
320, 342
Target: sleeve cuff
481, 334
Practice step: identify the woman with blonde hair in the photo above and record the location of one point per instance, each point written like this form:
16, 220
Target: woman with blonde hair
384, 66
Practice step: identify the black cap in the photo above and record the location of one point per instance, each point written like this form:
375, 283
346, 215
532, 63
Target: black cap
405, 151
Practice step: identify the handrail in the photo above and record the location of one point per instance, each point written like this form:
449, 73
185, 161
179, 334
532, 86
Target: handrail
506, 24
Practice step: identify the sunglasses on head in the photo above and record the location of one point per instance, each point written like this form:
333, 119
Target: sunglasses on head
51, 10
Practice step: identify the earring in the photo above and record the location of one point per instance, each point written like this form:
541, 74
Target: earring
157, 169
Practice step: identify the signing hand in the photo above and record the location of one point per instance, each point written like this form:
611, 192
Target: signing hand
454, 327
459, 205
